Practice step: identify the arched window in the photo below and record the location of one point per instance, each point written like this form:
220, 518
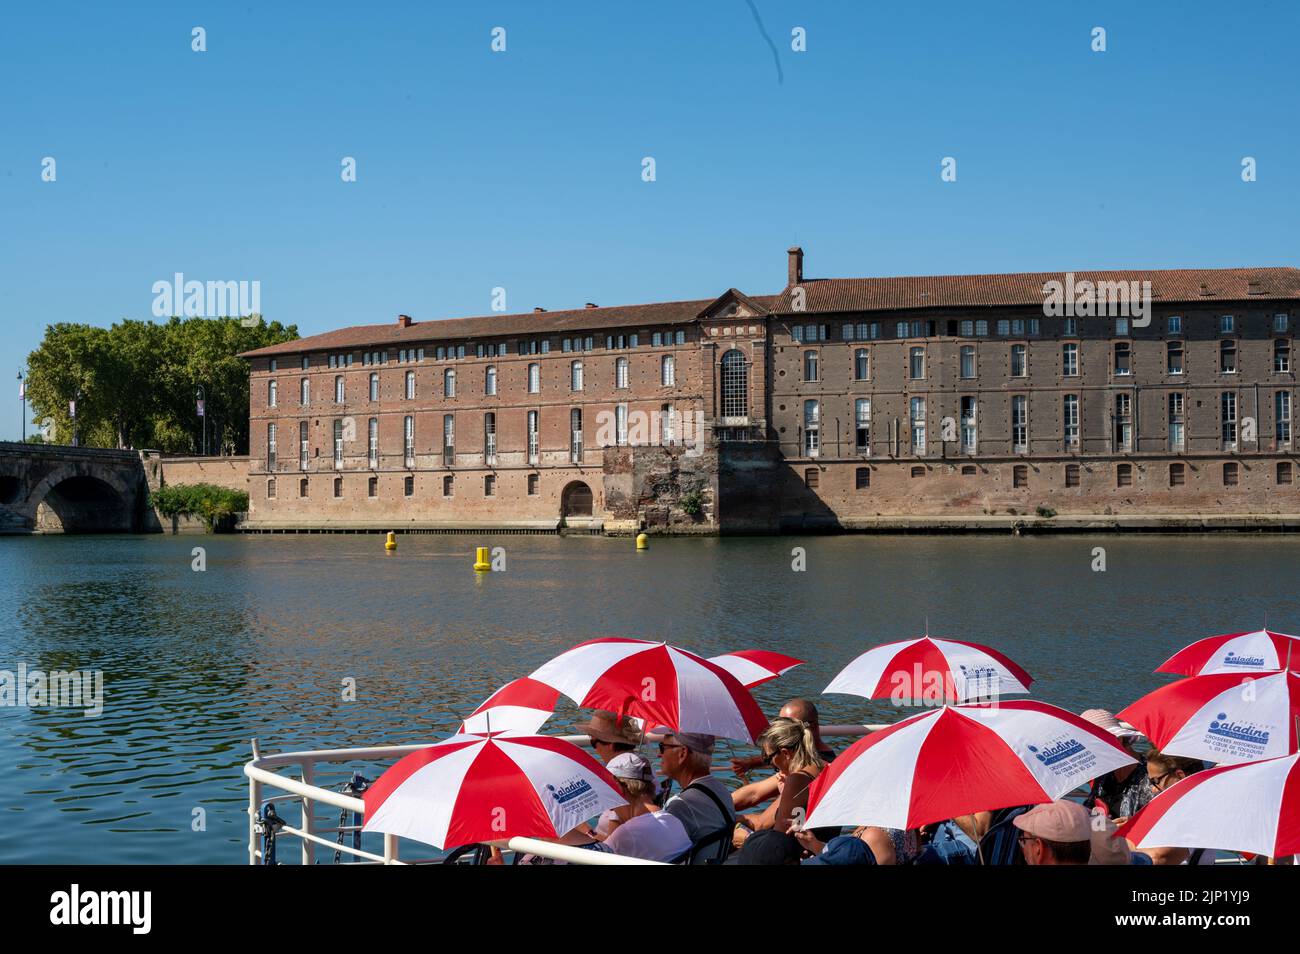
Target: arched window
374, 387
408, 434
620, 373
338, 389
735, 385
410, 385
449, 383
306, 392
667, 371
272, 392
575, 376
534, 378
490, 380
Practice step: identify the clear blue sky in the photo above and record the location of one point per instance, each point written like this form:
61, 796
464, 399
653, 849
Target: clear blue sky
522, 169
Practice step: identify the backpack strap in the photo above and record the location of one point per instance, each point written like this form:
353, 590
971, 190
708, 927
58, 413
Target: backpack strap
726, 815
1195, 857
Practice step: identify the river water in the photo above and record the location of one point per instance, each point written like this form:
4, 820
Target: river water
260, 644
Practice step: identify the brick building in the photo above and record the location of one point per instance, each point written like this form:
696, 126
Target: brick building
879, 402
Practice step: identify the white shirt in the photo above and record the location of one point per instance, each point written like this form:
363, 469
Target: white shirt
654, 836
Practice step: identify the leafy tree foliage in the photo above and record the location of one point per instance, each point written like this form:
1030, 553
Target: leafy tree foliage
135, 382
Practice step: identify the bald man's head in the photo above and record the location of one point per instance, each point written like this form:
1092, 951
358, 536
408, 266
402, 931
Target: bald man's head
801, 709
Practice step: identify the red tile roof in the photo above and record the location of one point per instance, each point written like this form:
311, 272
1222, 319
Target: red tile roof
823, 295
391, 334
947, 291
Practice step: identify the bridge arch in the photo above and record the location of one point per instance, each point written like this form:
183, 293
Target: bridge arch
76, 499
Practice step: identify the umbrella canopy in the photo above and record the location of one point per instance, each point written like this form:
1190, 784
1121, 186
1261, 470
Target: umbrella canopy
753, 667
930, 670
1253, 807
658, 683
961, 759
523, 705
1224, 718
473, 788
1262, 650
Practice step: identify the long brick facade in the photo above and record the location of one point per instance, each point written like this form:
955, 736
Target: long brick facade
951, 401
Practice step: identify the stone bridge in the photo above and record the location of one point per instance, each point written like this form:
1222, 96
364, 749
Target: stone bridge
46, 488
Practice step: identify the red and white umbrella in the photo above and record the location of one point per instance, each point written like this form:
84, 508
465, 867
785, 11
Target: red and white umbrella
931, 670
1252, 807
474, 788
961, 759
753, 667
1262, 650
523, 705
1226, 717
658, 683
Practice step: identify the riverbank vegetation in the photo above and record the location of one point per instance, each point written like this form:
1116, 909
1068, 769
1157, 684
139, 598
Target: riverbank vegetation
135, 383
215, 506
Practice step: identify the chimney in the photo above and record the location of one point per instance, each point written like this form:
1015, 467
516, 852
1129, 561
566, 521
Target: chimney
795, 269
592, 304
538, 310
403, 321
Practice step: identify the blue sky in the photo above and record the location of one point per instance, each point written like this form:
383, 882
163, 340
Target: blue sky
522, 169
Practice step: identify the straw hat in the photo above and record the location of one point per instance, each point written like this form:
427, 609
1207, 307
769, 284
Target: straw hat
1105, 719
606, 726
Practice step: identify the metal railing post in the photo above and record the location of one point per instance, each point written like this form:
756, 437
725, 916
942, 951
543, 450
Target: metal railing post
254, 807
308, 814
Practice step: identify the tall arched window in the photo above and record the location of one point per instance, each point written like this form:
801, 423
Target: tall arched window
534, 378
667, 371
306, 392
374, 387
490, 380
338, 389
620, 373
272, 394
410, 385
735, 385
449, 383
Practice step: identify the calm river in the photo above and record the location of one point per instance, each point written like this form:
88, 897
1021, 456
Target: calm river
197, 663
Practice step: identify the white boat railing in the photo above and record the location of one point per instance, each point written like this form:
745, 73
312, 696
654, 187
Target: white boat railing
266, 783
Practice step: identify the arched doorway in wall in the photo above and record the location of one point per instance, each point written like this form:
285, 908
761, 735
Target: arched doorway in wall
576, 500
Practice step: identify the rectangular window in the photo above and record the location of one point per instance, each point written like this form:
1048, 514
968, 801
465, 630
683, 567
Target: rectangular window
1280, 323
862, 478
862, 429
448, 440
1228, 419
1123, 358
917, 418
1281, 355
534, 378
1070, 420
968, 426
620, 422
1174, 324
271, 451
916, 364
968, 361
811, 478
900, 330
1174, 357
620, 373
408, 486
532, 437
448, 485
1018, 363
1019, 424
1123, 422
667, 371
1282, 418
408, 440
861, 364
1072, 475
967, 328
981, 328
1177, 422
1231, 475
575, 435
1020, 476
270, 489
1004, 327
1177, 475
490, 485
1121, 326
1228, 356
1070, 328
1070, 360
810, 365
490, 438
1227, 324
303, 448
338, 486
532, 485
811, 428
575, 376
338, 444
1124, 475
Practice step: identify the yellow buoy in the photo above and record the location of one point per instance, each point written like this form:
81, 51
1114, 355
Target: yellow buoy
391, 542
642, 541
481, 563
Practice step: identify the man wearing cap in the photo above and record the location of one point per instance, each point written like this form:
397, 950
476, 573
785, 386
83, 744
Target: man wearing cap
1058, 833
642, 829
1126, 790
703, 805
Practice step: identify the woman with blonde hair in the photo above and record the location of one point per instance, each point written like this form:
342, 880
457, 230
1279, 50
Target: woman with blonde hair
789, 747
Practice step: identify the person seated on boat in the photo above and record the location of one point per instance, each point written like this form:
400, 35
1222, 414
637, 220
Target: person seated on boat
1106, 848
789, 746
611, 735
703, 805
888, 846
1055, 833
1164, 771
1126, 790
756, 793
768, 848
641, 828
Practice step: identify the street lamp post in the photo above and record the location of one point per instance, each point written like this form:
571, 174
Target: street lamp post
22, 396
200, 396
72, 411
